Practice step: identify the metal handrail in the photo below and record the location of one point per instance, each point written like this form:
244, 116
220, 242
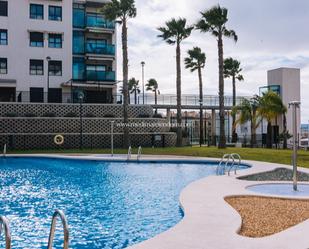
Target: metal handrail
53, 228
129, 153
4, 151
139, 153
7, 231
239, 162
226, 156
230, 157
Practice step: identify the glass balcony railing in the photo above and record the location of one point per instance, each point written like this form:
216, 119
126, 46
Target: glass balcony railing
94, 48
97, 21
92, 75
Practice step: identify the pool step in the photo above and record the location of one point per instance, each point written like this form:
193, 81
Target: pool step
4, 223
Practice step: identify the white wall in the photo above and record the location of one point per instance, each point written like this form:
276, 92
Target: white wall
18, 51
289, 80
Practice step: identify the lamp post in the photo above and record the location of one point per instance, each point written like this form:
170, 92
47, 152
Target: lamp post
81, 98
112, 137
143, 80
48, 60
201, 122
294, 105
308, 135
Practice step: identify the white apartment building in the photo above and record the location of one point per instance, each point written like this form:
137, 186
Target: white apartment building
52, 49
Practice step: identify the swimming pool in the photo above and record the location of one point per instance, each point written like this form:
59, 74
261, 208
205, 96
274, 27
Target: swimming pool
283, 189
108, 204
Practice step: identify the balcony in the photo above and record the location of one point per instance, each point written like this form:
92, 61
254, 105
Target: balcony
94, 48
92, 75
97, 21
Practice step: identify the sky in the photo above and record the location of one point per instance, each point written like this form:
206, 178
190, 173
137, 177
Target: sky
271, 33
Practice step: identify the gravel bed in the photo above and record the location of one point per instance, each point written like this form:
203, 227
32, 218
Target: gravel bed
264, 216
279, 174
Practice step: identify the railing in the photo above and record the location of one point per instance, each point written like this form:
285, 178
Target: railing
7, 232
139, 153
53, 228
129, 153
94, 48
186, 99
25, 97
227, 163
97, 21
92, 75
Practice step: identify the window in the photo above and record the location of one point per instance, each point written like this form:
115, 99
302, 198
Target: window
55, 13
36, 67
3, 37
55, 40
98, 68
37, 11
36, 39
78, 68
78, 16
78, 42
3, 8
36, 94
3, 66
55, 68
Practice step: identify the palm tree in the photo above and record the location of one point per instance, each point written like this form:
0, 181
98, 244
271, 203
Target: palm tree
247, 112
133, 86
173, 33
152, 85
196, 61
231, 68
270, 107
214, 21
121, 11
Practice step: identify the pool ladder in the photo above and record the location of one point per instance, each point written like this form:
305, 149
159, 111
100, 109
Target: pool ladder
4, 151
139, 153
4, 223
64, 221
227, 163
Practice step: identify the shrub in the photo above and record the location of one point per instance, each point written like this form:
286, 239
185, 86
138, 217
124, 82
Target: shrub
90, 115
144, 115
109, 115
30, 115
49, 115
157, 115
11, 114
71, 115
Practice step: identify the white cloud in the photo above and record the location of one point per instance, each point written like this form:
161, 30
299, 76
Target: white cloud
271, 34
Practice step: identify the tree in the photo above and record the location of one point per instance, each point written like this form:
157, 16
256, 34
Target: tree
247, 112
196, 61
270, 107
231, 68
121, 11
133, 86
152, 85
213, 21
174, 32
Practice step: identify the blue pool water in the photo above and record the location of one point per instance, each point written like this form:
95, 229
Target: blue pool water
108, 204
284, 189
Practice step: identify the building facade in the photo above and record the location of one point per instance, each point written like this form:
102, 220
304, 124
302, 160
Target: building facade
52, 50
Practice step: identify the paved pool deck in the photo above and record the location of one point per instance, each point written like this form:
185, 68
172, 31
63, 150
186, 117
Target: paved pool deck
210, 222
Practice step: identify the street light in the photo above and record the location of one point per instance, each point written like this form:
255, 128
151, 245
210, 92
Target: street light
81, 97
48, 60
308, 135
294, 105
143, 80
201, 122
